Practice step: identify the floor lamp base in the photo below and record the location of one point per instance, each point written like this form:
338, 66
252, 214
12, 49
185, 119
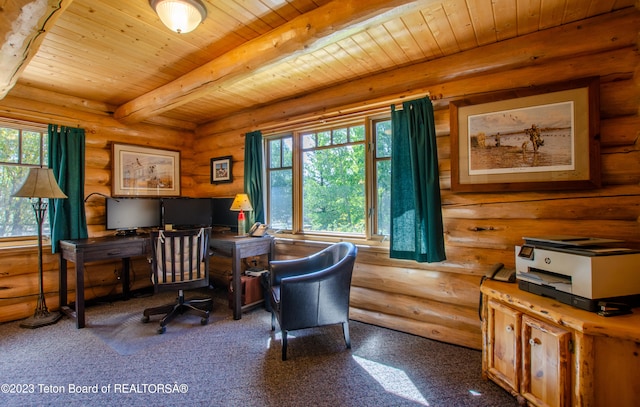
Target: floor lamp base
41, 319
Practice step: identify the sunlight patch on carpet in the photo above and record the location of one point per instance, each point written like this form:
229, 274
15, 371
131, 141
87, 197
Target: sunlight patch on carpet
393, 380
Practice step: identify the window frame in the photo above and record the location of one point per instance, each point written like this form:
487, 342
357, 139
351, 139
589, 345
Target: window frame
24, 127
370, 177
268, 170
373, 162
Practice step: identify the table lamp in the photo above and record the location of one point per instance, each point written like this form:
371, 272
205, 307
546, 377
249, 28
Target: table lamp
40, 183
241, 203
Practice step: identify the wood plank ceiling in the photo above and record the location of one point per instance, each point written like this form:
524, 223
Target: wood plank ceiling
250, 53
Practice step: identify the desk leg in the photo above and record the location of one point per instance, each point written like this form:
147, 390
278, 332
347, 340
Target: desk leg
79, 290
272, 250
125, 277
62, 286
237, 283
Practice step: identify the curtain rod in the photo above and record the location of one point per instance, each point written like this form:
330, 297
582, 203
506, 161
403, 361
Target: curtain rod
400, 107
338, 114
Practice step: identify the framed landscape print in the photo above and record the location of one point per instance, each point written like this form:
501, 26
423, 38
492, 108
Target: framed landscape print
144, 171
530, 139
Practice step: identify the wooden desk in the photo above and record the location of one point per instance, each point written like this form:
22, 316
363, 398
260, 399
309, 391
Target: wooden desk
95, 249
239, 248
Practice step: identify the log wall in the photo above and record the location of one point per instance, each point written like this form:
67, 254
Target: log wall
18, 276
437, 300
440, 300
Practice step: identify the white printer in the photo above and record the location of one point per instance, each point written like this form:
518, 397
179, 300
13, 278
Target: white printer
579, 271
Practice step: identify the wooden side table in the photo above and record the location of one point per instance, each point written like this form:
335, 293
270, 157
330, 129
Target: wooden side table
238, 248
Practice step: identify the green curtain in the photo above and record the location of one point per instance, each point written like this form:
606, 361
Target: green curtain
416, 212
253, 185
66, 157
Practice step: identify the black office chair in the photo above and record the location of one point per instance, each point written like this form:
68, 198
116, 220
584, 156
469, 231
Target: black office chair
180, 261
312, 291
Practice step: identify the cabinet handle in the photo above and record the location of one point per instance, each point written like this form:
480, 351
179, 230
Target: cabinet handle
534, 341
509, 328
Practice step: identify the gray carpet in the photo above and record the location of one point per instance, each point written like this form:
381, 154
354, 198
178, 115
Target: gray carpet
232, 363
124, 332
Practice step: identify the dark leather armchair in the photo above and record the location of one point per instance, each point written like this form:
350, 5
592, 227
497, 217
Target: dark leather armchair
180, 261
312, 291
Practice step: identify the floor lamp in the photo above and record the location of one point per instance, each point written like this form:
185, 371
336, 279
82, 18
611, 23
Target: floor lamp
40, 184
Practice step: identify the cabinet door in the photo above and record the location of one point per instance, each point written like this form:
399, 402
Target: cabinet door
546, 362
503, 356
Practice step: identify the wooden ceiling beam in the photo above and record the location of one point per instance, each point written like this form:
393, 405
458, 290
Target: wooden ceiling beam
43, 112
87, 105
332, 22
23, 25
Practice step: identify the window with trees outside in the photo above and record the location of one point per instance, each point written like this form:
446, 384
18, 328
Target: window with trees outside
331, 180
21, 147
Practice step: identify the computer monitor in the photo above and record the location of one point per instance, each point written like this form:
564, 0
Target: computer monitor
186, 212
221, 215
126, 215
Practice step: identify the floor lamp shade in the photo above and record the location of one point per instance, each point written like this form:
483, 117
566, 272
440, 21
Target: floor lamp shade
40, 184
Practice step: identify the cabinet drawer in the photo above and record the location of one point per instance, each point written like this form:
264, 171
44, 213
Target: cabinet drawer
119, 251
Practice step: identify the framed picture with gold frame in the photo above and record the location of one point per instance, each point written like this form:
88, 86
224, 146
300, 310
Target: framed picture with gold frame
543, 138
144, 171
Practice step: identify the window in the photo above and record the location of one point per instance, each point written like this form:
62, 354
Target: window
331, 179
382, 158
280, 176
21, 147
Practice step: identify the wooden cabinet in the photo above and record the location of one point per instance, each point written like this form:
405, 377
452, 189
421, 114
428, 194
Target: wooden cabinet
551, 354
526, 356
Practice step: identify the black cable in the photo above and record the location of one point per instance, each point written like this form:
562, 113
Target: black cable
480, 301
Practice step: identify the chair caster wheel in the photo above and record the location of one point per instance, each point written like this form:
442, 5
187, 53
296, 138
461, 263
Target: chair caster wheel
145, 319
204, 321
162, 330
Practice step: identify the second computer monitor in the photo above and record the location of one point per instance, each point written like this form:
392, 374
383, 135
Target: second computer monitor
186, 212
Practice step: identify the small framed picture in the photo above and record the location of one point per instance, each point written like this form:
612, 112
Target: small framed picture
221, 170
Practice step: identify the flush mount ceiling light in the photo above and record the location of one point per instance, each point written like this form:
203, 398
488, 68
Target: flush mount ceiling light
181, 16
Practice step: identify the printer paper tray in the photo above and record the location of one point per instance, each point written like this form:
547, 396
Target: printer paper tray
552, 280
575, 300
563, 297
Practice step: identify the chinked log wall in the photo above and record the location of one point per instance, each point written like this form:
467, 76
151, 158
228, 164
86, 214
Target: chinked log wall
436, 300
